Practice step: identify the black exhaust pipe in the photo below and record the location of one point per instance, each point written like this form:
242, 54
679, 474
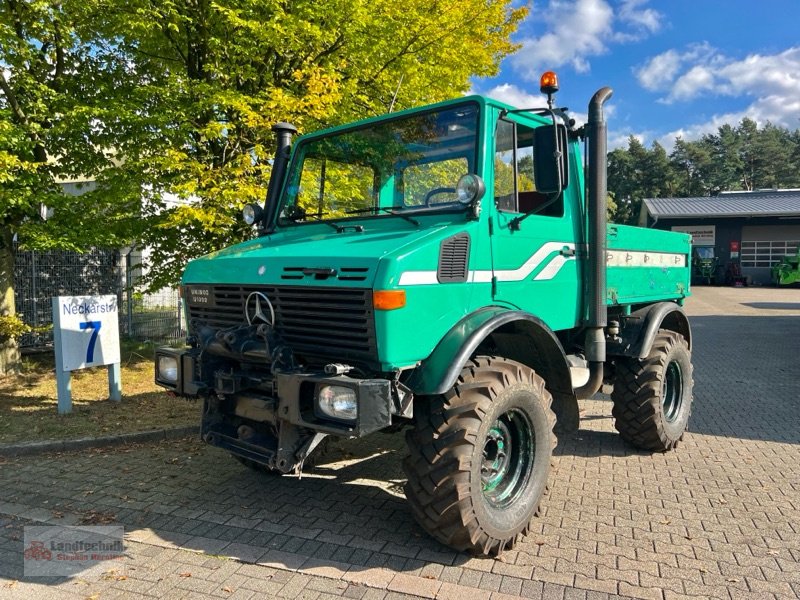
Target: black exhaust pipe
284, 133
595, 343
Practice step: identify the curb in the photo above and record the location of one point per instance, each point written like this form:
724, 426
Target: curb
33, 448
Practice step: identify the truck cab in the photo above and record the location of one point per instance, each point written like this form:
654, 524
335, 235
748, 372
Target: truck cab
447, 269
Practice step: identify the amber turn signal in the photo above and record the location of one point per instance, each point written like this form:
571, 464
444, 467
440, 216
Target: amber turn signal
388, 299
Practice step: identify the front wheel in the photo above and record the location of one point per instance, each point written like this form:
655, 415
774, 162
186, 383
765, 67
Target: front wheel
653, 397
480, 456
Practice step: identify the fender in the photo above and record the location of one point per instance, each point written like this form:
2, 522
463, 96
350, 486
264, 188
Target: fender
517, 335
641, 326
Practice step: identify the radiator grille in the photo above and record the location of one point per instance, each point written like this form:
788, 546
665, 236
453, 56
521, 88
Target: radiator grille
334, 323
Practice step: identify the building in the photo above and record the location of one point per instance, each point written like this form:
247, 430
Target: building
753, 229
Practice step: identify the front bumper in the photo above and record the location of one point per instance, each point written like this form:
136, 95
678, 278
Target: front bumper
293, 397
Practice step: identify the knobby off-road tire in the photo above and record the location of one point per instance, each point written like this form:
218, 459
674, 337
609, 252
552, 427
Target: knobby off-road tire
653, 397
480, 456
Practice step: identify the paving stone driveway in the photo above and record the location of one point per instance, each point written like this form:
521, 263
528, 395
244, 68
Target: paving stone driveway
719, 517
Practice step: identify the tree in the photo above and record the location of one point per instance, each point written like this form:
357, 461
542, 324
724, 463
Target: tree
216, 76
744, 157
159, 97
52, 85
691, 163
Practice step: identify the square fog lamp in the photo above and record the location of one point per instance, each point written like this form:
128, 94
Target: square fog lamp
167, 369
337, 402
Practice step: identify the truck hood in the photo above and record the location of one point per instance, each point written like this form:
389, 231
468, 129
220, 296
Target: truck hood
307, 255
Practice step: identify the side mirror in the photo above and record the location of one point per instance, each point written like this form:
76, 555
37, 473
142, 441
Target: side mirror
551, 170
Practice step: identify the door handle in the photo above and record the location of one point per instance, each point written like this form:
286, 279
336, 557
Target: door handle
567, 251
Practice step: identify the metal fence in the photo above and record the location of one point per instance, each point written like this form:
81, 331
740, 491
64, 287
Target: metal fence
39, 276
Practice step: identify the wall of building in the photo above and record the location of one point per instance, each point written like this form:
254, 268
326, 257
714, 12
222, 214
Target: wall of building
739, 229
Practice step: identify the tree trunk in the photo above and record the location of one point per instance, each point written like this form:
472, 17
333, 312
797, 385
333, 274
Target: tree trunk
9, 351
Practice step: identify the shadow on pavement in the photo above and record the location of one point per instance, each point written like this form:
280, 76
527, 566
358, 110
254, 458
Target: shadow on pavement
348, 513
773, 305
745, 374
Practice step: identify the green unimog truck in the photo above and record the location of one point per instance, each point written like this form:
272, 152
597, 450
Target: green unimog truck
446, 269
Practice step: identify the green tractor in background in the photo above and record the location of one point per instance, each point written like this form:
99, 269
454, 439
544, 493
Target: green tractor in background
787, 271
704, 265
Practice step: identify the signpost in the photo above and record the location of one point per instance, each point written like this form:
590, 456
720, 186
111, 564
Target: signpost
85, 334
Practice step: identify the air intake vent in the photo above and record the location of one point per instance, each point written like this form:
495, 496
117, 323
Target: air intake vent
292, 273
353, 273
320, 273
454, 259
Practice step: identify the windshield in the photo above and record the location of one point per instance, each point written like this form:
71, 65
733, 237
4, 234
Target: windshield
400, 165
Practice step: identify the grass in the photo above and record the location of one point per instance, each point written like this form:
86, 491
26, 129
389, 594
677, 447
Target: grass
28, 401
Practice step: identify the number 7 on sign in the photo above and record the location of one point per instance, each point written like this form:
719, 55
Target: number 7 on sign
95, 327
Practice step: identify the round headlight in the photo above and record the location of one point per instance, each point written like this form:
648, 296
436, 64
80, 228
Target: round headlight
338, 402
470, 187
168, 369
251, 213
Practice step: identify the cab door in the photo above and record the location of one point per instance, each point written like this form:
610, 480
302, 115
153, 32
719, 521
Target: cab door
534, 235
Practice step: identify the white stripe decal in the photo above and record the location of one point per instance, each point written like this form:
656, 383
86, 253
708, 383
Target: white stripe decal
632, 258
614, 258
418, 278
519, 274
552, 269
533, 262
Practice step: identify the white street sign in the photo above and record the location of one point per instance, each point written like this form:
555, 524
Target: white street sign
89, 328
85, 334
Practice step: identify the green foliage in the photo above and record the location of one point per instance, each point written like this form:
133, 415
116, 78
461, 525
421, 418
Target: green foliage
735, 158
11, 327
214, 77
175, 99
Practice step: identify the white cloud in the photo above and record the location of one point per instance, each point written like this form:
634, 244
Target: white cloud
577, 30
620, 139
659, 71
702, 70
695, 81
518, 98
772, 82
513, 95
698, 130
646, 19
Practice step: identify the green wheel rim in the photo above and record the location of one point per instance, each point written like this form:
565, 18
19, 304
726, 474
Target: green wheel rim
508, 458
672, 396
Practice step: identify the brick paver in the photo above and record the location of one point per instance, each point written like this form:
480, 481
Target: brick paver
717, 518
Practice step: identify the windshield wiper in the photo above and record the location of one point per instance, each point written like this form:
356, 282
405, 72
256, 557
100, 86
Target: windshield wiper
392, 210
294, 218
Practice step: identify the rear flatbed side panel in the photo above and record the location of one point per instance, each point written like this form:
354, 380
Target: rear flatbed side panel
647, 265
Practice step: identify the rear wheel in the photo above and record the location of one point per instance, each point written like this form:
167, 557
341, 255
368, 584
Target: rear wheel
653, 397
480, 456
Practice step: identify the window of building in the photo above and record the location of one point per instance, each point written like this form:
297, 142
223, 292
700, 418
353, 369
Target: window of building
767, 253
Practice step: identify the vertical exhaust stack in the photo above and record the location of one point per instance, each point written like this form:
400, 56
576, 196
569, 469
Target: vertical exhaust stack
595, 344
284, 133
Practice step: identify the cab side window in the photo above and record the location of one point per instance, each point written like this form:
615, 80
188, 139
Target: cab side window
514, 183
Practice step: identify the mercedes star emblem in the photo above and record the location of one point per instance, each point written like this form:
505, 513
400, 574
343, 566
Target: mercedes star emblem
254, 308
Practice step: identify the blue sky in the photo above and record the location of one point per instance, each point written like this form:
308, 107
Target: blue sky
677, 67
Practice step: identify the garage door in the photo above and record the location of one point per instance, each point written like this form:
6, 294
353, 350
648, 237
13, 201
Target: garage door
764, 245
